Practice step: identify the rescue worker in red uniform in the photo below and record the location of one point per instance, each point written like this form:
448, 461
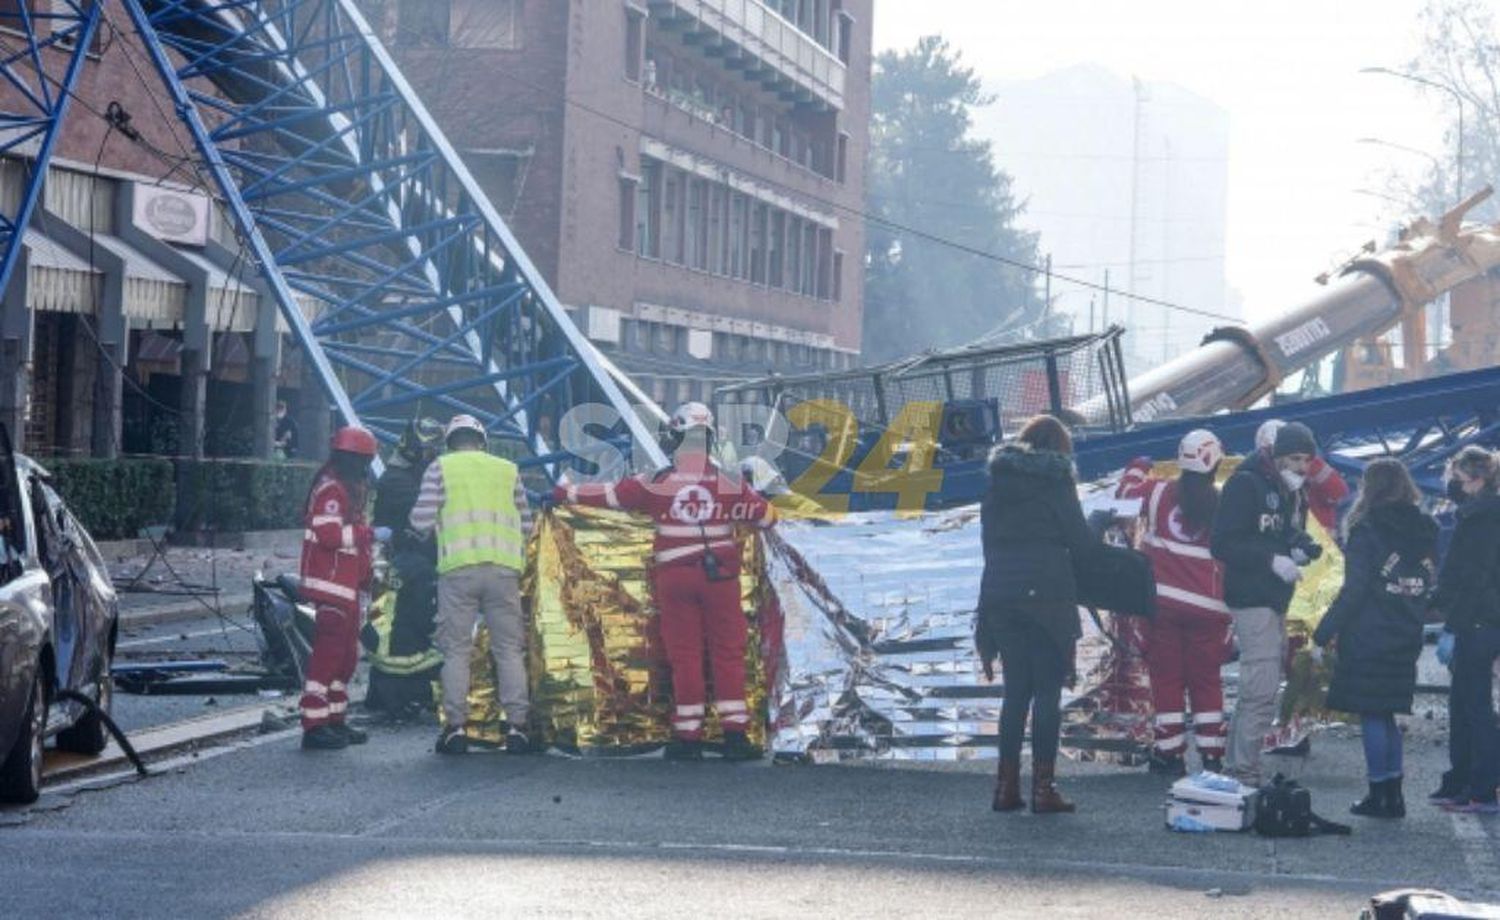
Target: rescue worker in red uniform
694, 576
337, 551
1187, 637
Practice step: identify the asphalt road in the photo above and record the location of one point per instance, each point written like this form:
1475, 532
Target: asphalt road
393, 830
229, 639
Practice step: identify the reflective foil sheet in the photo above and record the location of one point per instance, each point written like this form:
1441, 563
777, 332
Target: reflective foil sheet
879, 651
599, 677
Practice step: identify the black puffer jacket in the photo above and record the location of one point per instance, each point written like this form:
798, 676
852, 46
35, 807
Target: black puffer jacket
1258, 518
1469, 584
1033, 527
1389, 574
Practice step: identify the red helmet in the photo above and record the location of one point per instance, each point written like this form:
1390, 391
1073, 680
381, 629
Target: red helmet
354, 441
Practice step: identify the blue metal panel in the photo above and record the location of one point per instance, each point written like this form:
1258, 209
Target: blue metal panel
39, 43
346, 192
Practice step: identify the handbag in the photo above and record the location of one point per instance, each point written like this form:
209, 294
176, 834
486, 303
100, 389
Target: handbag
1117, 579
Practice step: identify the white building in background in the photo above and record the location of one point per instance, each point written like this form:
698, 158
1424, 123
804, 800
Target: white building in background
1128, 178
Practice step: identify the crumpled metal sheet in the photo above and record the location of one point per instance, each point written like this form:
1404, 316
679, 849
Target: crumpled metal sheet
879, 653
599, 678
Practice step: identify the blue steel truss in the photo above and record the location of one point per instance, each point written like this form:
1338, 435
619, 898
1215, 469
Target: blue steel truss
1422, 423
349, 196
42, 51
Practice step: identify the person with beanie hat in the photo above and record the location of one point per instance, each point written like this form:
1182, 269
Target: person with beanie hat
1326, 490
1260, 535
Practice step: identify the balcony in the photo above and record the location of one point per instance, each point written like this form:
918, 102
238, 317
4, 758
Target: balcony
752, 38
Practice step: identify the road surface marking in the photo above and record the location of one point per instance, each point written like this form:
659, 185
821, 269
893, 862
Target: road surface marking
1478, 850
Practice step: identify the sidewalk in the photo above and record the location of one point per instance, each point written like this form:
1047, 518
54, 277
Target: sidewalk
179, 584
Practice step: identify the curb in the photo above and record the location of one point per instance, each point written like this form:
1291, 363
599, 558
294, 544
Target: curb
267, 540
188, 609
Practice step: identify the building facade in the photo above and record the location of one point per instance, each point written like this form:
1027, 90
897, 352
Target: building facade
131, 322
688, 175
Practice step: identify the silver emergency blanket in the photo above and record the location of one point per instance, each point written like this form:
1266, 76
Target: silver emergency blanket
879, 661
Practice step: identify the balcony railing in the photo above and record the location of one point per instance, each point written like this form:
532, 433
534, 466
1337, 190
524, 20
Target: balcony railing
766, 36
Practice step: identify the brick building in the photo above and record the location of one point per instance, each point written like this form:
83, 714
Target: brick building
687, 174
130, 322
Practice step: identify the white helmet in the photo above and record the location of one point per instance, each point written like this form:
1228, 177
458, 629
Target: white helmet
691, 415
1265, 435
1199, 452
463, 422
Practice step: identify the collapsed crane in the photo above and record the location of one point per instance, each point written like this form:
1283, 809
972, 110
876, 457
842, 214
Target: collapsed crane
345, 193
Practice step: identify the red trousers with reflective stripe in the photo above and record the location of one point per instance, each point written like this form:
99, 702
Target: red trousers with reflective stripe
697, 613
1184, 653
335, 654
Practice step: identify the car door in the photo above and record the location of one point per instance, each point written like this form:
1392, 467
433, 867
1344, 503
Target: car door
24, 600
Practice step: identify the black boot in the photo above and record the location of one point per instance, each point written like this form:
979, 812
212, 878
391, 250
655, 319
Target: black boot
324, 738
1453, 789
1374, 802
351, 734
1213, 764
1395, 800
1167, 764
452, 741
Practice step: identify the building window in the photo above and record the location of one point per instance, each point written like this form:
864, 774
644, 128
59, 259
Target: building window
794, 253
776, 248
629, 193
666, 339
635, 43
648, 210
758, 244
738, 238
841, 169
825, 264
491, 24
671, 215
422, 23
838, 276
696, 225
716, 248
845, 35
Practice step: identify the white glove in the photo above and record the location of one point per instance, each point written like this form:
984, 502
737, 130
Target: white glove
1286, 569
1299, 557
1316, 654
382, 535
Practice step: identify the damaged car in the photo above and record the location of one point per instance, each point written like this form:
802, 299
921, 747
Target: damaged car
58, 621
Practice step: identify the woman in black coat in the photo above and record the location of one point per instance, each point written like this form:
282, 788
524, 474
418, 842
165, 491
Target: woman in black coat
1376, 622
1033, 527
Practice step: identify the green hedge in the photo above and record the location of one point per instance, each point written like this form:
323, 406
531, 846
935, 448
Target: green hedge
116, 498
239, 495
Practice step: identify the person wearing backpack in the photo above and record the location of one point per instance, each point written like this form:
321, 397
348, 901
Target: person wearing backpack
1375, 622
1033, 533
1468, 596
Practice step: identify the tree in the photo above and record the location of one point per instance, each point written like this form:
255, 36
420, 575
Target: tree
941, 215
1460, 54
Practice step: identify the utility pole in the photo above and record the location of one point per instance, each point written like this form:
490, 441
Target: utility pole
1047, 289
1105, 325
1135, 194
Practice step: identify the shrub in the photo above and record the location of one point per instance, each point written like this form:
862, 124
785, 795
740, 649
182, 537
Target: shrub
115, 499
239, 495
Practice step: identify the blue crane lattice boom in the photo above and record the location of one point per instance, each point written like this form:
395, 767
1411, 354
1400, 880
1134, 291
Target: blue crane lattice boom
347, 195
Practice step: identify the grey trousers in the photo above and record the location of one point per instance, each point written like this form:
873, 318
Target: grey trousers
464, 595
1261, 634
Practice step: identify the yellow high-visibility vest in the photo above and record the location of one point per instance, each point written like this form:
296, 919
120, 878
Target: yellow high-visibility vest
479, 522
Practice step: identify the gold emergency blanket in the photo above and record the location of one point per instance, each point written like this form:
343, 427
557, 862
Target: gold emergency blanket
599, 678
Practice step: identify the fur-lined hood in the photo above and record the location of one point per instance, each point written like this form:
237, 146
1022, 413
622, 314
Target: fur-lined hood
1020, 460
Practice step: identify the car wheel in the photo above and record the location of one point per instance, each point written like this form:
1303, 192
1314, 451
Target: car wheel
89, 735
21, 774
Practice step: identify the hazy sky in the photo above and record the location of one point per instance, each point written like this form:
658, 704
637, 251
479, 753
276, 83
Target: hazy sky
1287, 74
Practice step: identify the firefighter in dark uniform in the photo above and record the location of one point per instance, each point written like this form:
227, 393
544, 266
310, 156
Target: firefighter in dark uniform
403, 662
